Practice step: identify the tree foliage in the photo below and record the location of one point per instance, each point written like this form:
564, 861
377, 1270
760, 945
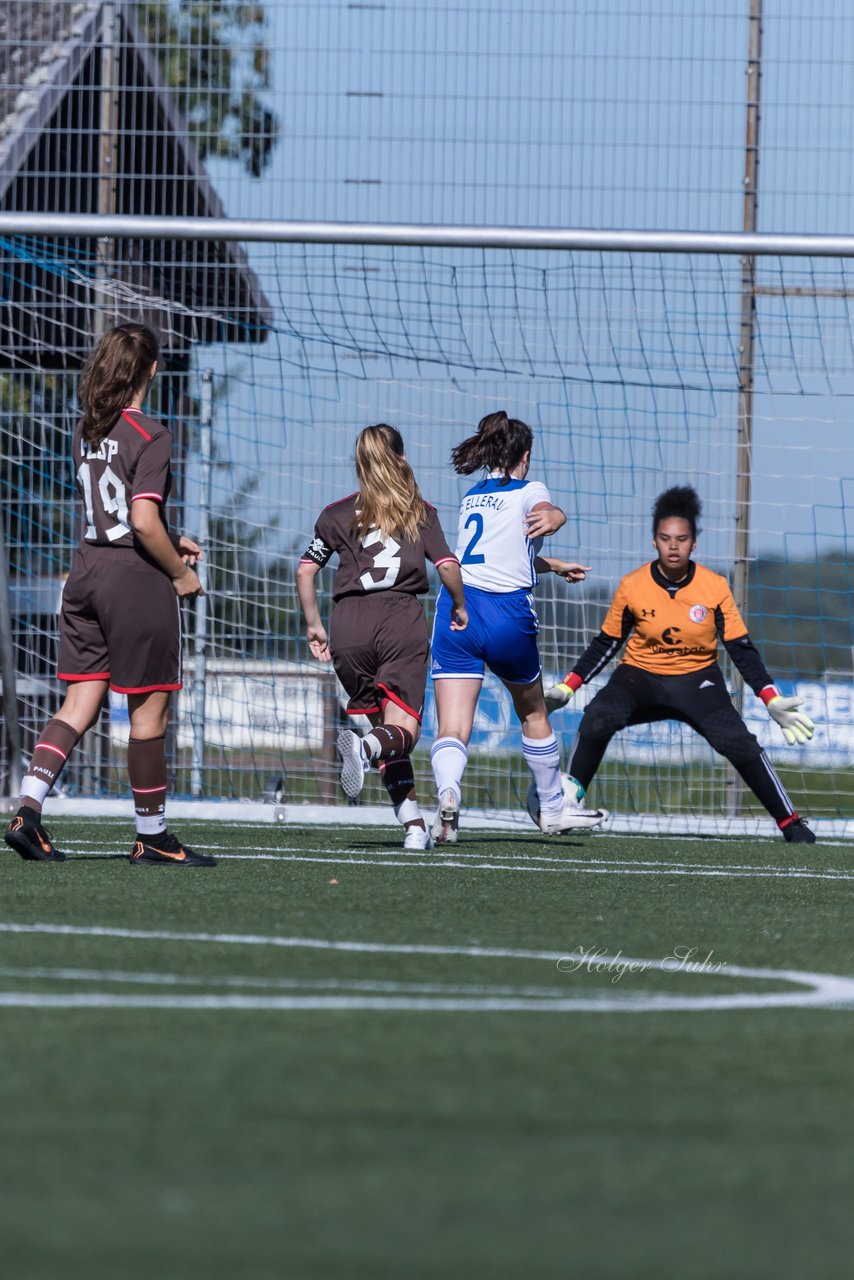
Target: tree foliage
215, 60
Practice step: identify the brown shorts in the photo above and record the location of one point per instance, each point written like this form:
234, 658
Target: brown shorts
379, 650
120, 621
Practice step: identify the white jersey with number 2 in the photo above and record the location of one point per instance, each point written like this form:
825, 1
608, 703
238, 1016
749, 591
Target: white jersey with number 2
494, 552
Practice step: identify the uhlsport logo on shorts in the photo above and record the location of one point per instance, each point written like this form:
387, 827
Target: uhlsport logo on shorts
698, 613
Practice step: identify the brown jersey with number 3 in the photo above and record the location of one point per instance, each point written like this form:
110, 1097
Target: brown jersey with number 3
368, 562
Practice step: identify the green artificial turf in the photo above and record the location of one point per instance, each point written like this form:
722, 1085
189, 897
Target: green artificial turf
350, 1124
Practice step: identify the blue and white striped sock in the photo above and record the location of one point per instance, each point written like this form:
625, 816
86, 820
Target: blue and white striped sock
449, 758
543, 759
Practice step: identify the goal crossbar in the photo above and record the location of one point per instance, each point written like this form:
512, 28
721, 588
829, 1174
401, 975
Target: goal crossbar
144, 227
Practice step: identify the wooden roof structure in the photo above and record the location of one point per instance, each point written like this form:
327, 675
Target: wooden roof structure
88, 126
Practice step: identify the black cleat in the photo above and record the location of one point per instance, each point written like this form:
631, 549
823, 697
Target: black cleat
166, 850
797, 832
26, 835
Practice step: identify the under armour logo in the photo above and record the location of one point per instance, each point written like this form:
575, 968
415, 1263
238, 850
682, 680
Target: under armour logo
648, 613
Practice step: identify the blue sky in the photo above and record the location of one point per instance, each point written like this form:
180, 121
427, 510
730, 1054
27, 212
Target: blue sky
614, 115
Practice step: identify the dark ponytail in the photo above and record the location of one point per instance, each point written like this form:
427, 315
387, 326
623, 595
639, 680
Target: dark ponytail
115, 371
498, 445
681, 502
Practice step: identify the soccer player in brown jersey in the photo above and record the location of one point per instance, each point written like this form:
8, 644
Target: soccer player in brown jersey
673, 612
120, 620
378, 640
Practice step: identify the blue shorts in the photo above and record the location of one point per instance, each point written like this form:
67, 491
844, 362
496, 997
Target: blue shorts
501, 635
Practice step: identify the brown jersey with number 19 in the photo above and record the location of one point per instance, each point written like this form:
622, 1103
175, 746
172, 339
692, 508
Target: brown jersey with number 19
131, 462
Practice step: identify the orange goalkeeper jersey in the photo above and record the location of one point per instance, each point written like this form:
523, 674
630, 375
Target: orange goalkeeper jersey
673, 630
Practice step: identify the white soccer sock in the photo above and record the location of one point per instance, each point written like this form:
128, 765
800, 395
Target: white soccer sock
407, 811
151, 824
35, 789
449, 758
543, 759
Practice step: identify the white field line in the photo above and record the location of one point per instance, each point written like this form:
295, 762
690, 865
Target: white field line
413, 1004
541, 863
817, 990
129, 978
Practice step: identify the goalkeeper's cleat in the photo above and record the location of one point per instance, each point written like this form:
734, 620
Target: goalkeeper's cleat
796, 727
166, 850
26, 835
557, 696
417, 838
796, 831
354, 762
447, 821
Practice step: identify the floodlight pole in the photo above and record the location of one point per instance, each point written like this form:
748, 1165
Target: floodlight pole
107, 151
746, 352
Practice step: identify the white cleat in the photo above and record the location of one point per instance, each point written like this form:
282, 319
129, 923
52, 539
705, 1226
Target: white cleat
417, 838
572, 815
570, 818
354, 762
447, 821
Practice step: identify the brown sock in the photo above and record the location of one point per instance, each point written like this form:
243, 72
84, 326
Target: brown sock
147, 774
388, 742
399, 781
57, 741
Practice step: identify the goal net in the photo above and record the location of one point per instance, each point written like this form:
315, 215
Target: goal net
630, 368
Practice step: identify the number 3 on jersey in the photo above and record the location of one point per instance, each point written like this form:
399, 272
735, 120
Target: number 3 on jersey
469, 556
385, 555
113, 499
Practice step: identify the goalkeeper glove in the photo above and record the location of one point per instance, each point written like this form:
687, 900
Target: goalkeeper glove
559, 694
795, 725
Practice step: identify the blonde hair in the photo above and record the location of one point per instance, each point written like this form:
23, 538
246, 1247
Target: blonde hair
389, 498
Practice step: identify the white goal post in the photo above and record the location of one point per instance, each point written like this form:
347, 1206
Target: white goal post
625, 351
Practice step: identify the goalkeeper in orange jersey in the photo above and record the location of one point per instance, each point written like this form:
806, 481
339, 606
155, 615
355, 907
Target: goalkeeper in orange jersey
673, 612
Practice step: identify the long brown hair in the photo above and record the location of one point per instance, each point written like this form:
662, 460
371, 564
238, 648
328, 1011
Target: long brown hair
389, 498
498, 445
118, 368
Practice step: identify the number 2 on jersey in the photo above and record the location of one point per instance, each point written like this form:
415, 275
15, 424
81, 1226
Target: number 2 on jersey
469, 555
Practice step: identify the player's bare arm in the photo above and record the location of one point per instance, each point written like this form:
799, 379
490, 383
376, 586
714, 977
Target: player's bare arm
318, 640
544, 519
188, 549
154, 538
452, 580
565, 569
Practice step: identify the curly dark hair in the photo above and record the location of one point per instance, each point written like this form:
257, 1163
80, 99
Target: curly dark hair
683, 502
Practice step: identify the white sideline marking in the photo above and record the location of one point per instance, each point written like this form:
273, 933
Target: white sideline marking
818, 990
129, 978
281, 1004
562, 866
